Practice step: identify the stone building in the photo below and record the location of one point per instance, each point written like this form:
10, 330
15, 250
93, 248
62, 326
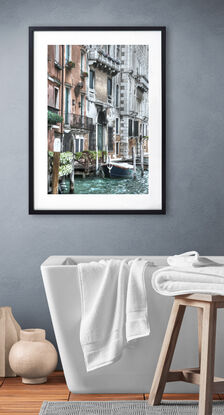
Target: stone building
101, 94
134, 110
104, 67
67, 79
117, 98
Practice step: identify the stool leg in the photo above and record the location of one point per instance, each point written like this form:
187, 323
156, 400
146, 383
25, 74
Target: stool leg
207, 358
166, 353
200, 316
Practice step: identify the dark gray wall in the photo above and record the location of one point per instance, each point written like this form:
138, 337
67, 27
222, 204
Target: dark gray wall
195, 147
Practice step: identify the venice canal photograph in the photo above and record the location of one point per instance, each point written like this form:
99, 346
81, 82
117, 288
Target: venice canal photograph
98, 119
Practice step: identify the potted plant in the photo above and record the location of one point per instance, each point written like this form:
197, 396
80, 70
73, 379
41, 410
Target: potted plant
84, 74
57, 65
54, 118
70, 64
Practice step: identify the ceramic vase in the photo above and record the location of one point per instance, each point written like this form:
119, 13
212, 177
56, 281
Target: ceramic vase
9, 334
33, 357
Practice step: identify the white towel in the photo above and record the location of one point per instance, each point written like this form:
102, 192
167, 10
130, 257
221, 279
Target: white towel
114, 308
189, 258
189, 273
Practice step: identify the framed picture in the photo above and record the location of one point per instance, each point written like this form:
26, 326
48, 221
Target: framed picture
97, 120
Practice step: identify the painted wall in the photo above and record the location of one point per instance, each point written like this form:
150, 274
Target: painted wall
195, 148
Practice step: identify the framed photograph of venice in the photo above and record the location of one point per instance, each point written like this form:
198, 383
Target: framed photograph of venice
96, 120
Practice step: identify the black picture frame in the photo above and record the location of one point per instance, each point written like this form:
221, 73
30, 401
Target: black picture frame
32, 208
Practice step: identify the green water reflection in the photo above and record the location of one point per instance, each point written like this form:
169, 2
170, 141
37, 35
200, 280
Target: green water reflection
98, 185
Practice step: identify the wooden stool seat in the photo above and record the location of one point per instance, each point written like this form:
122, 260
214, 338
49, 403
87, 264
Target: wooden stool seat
203, 375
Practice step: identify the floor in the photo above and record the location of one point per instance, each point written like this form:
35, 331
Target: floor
17, 398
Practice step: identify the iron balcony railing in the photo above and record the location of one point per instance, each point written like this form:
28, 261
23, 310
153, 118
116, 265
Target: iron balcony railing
78, 121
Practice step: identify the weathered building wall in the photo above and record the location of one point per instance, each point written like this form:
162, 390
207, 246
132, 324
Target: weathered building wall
133, 101
73, 80
101, 85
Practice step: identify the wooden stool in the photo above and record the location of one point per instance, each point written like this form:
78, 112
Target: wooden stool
203, 375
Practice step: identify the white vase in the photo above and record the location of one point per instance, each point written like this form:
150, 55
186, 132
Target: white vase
9, 334
33, 357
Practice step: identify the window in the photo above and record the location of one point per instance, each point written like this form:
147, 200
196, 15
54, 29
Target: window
117, 95
67, 53
67, 104
110, 139
117, 125
76, 145
56, 52
92, 139
117, 147
82, 105
130, 127
82, 62
91, 79
135, 128
56, 97
109, 87
118, 51
79, 144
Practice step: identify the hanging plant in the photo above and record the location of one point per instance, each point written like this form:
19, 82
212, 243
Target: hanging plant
70, 64
64, 170
66, 158
54, 118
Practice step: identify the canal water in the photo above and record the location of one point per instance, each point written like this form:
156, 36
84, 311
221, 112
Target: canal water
98, 185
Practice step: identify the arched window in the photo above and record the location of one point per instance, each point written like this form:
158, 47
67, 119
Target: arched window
117, 95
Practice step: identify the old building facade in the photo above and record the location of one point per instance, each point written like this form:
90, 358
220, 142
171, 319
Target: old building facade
98, 98
134, 110
67, 80
104, 68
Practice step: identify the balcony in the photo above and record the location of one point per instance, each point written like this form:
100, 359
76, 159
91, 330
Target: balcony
79, 122
98, 58
142, 82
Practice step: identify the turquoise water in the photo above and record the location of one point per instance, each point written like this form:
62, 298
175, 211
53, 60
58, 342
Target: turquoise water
98, 185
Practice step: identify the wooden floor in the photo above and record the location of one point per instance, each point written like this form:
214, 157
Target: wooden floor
17, 398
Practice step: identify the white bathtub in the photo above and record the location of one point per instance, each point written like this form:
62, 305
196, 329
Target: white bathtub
133, 373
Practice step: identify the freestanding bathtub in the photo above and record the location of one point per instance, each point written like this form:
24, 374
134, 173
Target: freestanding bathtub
133, 373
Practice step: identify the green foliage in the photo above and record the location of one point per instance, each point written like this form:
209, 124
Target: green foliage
66, 158
78, 156
92, 155
54, 118
65, 169
89, 155
70, 64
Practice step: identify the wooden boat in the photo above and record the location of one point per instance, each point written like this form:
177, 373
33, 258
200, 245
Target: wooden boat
114, 169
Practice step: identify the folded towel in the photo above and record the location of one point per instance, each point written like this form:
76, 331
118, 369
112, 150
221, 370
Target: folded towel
189, 258
114, 308
188, 274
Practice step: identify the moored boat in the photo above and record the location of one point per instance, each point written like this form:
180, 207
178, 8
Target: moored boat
114, 169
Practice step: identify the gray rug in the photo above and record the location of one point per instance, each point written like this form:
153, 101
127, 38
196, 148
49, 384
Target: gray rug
125, 408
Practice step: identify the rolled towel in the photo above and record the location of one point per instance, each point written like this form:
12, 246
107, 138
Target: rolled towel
190, 258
